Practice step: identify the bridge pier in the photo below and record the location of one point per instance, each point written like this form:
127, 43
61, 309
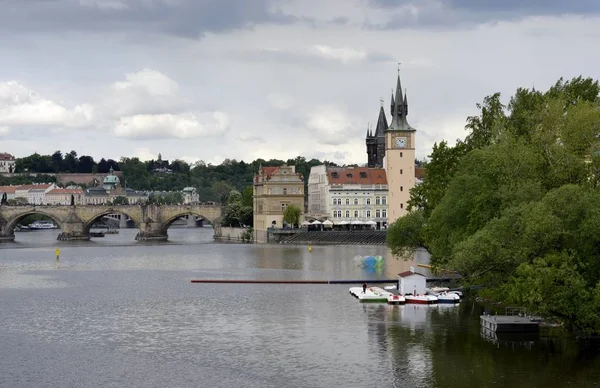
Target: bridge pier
191, 221
122, 221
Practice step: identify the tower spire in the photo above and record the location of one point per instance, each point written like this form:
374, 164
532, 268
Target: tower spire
405, 103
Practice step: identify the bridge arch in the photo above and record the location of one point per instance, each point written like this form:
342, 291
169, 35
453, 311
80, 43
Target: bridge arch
169, 221
113, 210
12, 223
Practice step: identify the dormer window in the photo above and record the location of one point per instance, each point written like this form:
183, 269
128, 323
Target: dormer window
349, 175
334, 174
363, 174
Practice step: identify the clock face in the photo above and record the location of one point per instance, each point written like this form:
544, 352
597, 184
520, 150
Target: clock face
400, 142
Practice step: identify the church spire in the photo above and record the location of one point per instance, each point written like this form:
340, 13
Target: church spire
392, 104
382, 123
400, 109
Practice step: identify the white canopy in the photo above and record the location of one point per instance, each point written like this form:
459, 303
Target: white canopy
316, 222
371, 222
356, 222
341, 222
305, 223
327, 223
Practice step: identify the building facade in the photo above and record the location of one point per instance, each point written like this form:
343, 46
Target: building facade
274, 189
63, 197
7, 163
190, 195
347, 194
399, 160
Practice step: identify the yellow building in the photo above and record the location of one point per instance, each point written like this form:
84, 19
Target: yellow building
399, 156
275, 188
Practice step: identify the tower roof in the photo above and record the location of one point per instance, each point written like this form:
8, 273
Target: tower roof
382, 124
400, 110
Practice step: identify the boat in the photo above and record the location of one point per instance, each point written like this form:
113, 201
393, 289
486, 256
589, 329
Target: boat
111, 231
42, 225
420, 299
447, 297
376, 295
96, 234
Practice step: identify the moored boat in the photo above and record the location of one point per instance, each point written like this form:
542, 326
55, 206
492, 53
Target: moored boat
42, 225
420, 299
446, 297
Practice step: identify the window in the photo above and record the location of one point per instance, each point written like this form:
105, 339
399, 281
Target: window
368, 214
283, 206
356, 201
377, 201
347, 213
400, 171
368, 201
384, 213
363, 174
347, 201
349, 175
334, 174
356, 214
400, 154
377, 213
401, 206
383, 200
285, 191
401, 188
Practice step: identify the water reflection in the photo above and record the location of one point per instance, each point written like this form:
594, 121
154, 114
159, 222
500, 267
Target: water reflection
117, 313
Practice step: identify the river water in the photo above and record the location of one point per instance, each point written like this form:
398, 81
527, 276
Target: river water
117, 313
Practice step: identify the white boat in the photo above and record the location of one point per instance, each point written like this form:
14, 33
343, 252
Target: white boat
420, 299
447, 297
42, 225
376, 295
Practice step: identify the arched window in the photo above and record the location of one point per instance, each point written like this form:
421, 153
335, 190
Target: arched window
377, 201
356, 214
377, 213
383, 200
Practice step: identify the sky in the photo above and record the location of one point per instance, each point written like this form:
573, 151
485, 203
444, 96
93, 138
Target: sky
244, 79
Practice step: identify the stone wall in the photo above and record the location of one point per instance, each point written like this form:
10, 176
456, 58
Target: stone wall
85, 179
223, 233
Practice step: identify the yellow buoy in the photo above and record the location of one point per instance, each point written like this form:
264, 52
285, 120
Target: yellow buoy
310, 248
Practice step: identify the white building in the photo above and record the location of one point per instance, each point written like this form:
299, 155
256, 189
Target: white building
190, 195
34, 194
348, 194
7, 163
410, 282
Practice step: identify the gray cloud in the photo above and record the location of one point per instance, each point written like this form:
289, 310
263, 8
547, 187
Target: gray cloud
453, 13
189, 18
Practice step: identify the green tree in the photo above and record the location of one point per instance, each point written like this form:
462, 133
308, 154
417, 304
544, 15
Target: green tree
513, 208
291, 215
120, 200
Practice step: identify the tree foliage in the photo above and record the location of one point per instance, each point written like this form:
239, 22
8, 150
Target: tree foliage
514, 207
237, 214
291, 215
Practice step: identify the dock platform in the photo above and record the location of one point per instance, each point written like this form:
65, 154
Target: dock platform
509, 323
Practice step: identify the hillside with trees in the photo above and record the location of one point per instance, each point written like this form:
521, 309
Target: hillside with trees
515, 207
213, 182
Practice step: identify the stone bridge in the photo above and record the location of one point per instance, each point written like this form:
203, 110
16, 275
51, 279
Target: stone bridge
76, 221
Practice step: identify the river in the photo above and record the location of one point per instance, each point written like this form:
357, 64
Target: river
117, 313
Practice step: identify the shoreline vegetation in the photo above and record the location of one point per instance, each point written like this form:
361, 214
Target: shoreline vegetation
515, 206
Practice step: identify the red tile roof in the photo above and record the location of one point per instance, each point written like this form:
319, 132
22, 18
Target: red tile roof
5, 156
356, 176
408, 273
268, 171
43, 186
8, 189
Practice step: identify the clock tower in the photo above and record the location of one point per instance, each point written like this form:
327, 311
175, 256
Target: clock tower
399, 156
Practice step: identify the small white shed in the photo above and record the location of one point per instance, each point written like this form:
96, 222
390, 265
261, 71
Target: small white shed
410, 282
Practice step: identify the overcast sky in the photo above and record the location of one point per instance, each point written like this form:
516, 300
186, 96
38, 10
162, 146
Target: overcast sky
246, 79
